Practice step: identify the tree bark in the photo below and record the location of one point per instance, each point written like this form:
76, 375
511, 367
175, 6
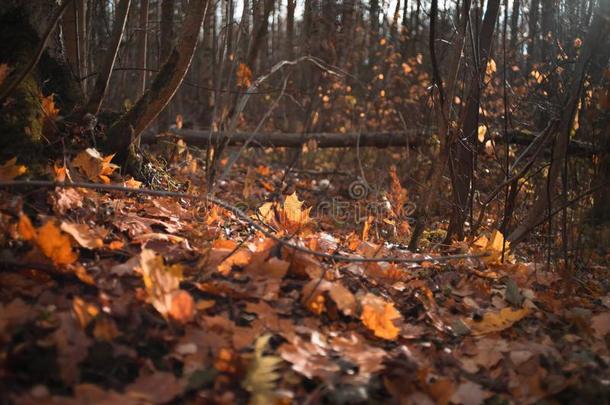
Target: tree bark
596, 37
165, 84
167, 43
463, 151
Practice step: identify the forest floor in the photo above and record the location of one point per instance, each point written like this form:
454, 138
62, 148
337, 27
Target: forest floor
112, 296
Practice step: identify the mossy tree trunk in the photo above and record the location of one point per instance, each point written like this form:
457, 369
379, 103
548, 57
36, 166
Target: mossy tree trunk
22, 24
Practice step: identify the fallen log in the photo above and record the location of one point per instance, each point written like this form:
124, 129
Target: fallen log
411, 138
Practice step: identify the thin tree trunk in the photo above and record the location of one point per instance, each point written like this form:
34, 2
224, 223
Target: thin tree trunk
596, 37
290, 28
165, 84
142, 46
167, 43
103, 79
532, 34
463, 151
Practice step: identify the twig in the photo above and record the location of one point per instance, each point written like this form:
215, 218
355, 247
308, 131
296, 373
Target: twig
237, 212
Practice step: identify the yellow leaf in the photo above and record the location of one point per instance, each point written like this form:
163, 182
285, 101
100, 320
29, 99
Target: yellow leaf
493, 247
491, 67
379, 315
10, 169
262, 374
55, 244
496, 321
481, 133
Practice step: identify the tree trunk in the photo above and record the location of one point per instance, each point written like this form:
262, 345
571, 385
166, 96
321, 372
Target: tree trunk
167, 42
463, 151
142, 47
103, 78
596, 38
165, 84
23, 25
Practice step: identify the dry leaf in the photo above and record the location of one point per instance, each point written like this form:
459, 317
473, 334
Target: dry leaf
48, 107
93, 165
262, 374
85, 236
55, 245
496, 321
162, 287
84, 311
244, 75
493, 247
379, 315
10, 170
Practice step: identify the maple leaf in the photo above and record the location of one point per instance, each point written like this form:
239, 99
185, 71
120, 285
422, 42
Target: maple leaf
262, 374
493, 247
291, 217
379, 315
162, 285
93, 165
496, 321
10, 170
244, 75
48, 107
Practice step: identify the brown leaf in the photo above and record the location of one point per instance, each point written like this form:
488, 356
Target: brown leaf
87, 237
95, 166
158, 388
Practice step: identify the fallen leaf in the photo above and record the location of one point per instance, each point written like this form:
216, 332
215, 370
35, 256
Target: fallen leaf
496, 321
601, 324
262, 374
10, 170
470, 393
162, 285
54, 244
95, 166
379, 315
158, 388
90, 238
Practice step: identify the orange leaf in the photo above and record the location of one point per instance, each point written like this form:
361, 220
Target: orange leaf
244, 75
25, 228
48, 107
378, 315
10, 169
93, 165
55, 244
183, 306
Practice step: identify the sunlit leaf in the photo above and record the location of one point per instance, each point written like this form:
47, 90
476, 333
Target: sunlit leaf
56, 245
262, 374
496, 321
244, 75
95, 166
379, 316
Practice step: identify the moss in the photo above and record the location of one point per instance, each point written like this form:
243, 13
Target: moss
21, 117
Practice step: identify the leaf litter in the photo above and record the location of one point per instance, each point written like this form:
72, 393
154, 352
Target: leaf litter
108, 296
